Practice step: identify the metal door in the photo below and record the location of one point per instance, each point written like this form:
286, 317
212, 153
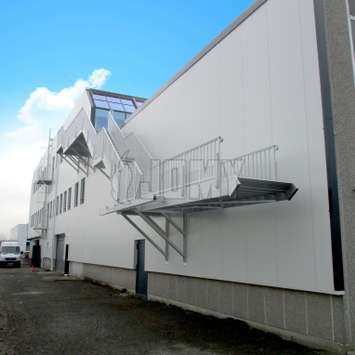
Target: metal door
66, 260
59, 255
141, 275
36, 254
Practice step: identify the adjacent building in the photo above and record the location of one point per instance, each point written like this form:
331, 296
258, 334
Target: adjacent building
20, 233
231, 190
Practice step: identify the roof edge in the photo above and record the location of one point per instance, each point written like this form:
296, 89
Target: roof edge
114, 94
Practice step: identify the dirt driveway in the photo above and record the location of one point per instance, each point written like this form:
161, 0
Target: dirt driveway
40, 313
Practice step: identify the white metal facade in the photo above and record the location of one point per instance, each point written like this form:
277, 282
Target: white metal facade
257, 87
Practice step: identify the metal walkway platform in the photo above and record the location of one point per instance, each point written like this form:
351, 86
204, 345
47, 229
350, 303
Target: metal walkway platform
146, 189
247, 192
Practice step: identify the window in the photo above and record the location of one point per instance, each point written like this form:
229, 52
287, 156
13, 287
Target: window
120, 106
76, 194
69, 198
65, 202
82, 191
61, 203
10, 250
100, 118
57, 206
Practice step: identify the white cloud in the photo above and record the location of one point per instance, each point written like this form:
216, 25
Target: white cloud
22, 148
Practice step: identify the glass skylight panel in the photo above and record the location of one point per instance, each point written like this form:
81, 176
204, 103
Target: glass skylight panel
129, 108
113, 99
127, 102
98, 97
101, 104
119, 117
121, 109
116, 106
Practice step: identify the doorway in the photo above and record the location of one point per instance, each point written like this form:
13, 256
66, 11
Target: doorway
59, 253
141, 274
36, 254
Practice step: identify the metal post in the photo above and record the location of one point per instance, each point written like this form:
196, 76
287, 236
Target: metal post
167, 231
184, 236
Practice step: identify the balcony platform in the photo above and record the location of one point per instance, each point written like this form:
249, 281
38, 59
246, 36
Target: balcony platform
43, 181
246, 192
78, 147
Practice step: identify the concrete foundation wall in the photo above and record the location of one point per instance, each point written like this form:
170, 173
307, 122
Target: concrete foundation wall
310, 318
112, 276
46, 263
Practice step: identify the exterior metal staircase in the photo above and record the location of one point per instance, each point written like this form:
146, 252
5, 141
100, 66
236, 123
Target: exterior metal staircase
193, 181
43, 179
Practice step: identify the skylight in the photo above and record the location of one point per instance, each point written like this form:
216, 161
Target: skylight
114, 103
121, 107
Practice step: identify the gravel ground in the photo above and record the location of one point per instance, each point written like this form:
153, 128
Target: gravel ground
44, 313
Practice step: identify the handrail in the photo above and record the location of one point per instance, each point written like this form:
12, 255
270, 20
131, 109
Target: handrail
180, 170
115, 131
259, 164
40, 220
184, 176
80, 124
60, 138
105, 150
196, 172
217, 140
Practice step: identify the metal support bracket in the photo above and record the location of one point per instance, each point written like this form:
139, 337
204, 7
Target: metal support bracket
74, 164
144, 234
163, 233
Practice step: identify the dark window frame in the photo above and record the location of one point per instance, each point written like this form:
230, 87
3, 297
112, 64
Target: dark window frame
82, 191
76, 194
65, 201
61, 204
57, 206
69, 198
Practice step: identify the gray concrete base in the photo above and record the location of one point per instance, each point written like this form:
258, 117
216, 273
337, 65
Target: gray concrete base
46, 263
112, 276
311, 319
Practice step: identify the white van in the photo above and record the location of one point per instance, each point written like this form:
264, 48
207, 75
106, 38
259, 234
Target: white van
10, 253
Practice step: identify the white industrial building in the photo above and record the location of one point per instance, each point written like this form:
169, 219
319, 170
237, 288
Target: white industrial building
231, 190
20, 233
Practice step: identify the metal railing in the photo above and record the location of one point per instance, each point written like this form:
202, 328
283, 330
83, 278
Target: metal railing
43, 173
80, 124
195, 165
125, 174
105, 151
116, 134
201, 173
260, 164
129, 147
60, 138
127, 183
40, 220
193, 174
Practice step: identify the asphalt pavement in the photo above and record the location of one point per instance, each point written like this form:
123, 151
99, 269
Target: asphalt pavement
47, 313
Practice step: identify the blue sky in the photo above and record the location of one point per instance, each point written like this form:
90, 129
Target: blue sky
52, 50
142, 43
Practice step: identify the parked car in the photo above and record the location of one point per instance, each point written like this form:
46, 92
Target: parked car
10, 253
